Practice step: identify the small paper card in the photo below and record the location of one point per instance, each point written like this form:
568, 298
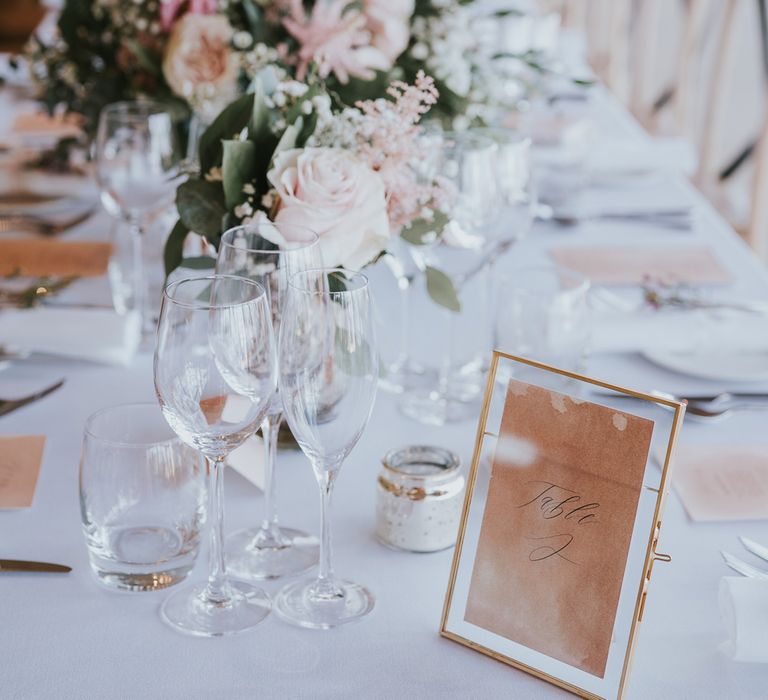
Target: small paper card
20, 460
634, 265
248, 461
32, 257
723, 482
560, 525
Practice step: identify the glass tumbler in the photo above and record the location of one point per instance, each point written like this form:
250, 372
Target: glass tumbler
543, 314
142, 499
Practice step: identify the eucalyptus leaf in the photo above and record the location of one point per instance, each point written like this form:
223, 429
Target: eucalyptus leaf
441, 289
231, 121
202, 262
237, 169
353, 355
201, 206
174, 247
259, 121
424, 231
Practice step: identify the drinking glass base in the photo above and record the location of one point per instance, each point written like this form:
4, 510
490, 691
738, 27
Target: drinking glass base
190, 611
300, 604
253, 555
431, 408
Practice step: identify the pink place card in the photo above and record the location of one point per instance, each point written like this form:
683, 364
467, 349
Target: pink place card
722, 482
635, 264
20, 460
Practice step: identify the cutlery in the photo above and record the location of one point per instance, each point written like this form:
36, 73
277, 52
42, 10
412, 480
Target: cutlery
22, 198
709, 407
8, 405
755, 548
742, 567
33, 566
671, 218
34, 224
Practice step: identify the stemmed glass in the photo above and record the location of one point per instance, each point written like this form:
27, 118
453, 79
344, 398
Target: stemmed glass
270, 551
467, 165
328, 377
215, 375
137, 165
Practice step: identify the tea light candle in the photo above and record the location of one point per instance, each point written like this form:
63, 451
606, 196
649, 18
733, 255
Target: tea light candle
419, 499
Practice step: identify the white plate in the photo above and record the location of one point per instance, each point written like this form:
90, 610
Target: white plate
732, 367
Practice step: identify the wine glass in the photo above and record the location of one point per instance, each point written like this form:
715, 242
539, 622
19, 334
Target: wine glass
215, 375
328, 377
251, 251
467, 167
137, 166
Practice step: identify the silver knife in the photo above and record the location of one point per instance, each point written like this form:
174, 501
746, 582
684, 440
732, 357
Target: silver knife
755, 547
743, 568
33, 566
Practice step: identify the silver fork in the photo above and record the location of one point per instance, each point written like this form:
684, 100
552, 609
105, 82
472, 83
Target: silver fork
8, 405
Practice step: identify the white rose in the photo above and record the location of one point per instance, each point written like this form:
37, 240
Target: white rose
199, 63
332, 192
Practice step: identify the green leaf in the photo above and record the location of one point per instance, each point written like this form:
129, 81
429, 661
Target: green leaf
237, 169
258, 124
231, 121
203, 262
174, 246
441, 289
353, 355
201, 206
423, 231
144, 57
288, 139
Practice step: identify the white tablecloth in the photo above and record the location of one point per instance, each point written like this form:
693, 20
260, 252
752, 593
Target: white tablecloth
65, 637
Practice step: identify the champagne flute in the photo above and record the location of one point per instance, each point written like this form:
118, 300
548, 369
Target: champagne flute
251, 251
137, 165
215, 375
328, 377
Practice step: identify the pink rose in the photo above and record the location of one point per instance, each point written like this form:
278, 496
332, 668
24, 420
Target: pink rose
390, 25
199, 63
170, 9
332, 192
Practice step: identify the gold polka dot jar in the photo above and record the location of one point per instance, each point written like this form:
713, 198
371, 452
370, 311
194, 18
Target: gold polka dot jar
419, 499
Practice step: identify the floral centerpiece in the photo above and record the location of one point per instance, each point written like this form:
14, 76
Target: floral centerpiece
198, 55
290, 152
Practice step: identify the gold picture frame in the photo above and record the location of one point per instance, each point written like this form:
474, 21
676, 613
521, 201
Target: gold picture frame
666, 417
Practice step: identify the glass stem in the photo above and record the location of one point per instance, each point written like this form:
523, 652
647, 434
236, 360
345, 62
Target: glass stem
216, 591
444, 379
404, 285
139, 279
325, 586
270, 427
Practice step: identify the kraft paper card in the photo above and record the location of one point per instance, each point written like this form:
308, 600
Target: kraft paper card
31, 257
20, 460
722, 482
634, 265
555, 534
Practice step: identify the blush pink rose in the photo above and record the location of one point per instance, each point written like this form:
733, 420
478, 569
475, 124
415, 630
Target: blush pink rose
332, 192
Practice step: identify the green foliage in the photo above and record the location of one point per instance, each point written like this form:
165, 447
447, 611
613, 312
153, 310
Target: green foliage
424, 231
441, 289
174, 246
230, 122
201, 207
238, 167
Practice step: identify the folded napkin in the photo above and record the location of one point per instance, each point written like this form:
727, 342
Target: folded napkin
679, 331
97, 335
744, 609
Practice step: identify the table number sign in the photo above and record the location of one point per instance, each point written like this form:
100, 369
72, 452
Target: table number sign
560, 525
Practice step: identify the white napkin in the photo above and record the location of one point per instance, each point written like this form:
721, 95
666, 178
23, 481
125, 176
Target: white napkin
248, 461
680, 331
619, 157
97, 335
744, 609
